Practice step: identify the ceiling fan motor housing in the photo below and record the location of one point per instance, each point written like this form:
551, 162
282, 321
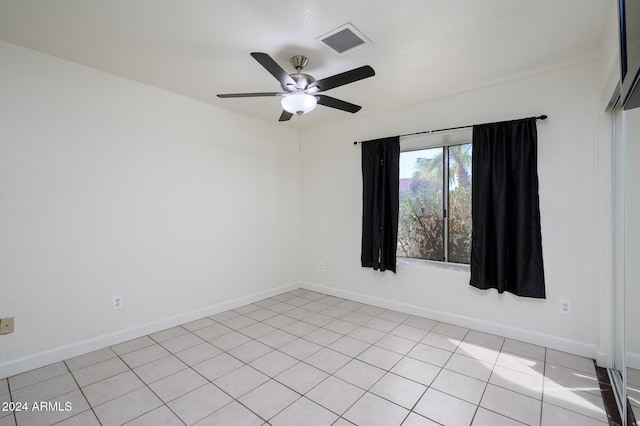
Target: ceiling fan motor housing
302, 91
302, 82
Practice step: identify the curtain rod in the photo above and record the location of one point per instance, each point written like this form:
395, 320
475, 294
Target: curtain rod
540, 117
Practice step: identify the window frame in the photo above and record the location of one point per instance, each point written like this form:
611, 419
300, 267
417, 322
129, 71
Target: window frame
443, 140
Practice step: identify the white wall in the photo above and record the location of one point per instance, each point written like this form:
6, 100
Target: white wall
567, 147
108, 187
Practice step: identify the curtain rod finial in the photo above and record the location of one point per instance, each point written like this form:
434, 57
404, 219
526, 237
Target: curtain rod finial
542, 117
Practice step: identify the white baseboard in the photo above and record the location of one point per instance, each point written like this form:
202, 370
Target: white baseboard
40, 359
523, 335
604, 360
633, 360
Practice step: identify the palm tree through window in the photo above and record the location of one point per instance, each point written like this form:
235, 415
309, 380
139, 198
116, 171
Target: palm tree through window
434, 220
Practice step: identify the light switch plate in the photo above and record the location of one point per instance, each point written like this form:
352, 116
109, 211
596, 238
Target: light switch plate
6, 325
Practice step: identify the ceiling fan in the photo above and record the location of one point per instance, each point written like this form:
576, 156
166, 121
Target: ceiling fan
300, 91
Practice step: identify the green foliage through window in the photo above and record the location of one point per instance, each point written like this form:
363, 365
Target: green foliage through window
424, 232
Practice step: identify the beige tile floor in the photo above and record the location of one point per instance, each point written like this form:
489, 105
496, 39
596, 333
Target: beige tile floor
305, 358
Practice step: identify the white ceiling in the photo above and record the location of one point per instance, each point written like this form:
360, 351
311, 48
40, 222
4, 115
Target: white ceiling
420, 48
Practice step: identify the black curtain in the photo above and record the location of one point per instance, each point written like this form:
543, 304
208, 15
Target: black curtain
506, 242
380, 202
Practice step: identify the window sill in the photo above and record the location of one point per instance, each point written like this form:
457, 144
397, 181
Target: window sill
422, 263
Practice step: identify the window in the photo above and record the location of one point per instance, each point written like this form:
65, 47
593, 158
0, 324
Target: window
434, 220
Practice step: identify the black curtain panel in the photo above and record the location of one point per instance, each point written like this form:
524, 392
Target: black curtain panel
506, 241
380, 202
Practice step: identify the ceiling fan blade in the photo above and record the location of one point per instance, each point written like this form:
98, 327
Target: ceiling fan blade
337, 103
250, 95
272, 66
343, 78
285, 116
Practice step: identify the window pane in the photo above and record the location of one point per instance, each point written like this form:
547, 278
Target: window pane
421, 222
459, 241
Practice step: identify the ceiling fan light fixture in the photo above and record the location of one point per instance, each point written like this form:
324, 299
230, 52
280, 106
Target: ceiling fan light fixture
301, 91
299, 103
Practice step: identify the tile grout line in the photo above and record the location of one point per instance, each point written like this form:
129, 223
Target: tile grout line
134, 373
403, 356
233, 399
147, 386
370, 387
166, 404
387, 333
317, 319
83, 395
15, 417
486, 385
245, 364
544, 385
329, 374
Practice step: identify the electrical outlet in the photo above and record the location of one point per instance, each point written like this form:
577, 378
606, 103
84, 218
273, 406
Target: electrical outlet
116, 302
565, 306
321, 267
6, 325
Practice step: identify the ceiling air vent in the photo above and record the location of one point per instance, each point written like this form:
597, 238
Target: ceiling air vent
344, 38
